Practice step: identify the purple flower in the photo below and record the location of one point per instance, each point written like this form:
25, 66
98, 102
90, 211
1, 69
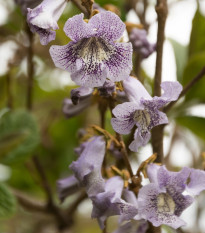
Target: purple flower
87, 169
138, 38
92, 56
106, 203
43, 19
162, 201
143, 110
67, 186
80, 94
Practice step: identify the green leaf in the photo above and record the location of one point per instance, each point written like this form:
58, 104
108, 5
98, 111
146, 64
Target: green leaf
19, 136
197, 42
193, 123
193, 67
7, 202
181, 55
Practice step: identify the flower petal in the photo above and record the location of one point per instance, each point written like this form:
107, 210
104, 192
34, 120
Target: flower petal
90, 159
125, 110
133, 227
76, 28
107, 25
152, 170
196, 182
122, 126
172, 91
148, 208
67, 186
139, 139
173, 181
135, 90
119, 64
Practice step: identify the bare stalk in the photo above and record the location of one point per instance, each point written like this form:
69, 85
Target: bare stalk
157, 132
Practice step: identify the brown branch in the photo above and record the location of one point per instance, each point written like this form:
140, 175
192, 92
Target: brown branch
78, 4
157, 132
28, 203
30, 70
186, 88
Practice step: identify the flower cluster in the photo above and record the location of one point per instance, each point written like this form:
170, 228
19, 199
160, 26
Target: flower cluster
97, 59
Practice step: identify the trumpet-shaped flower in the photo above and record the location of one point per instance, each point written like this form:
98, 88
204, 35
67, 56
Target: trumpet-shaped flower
92, 55
163, 201
143, 110
43, 19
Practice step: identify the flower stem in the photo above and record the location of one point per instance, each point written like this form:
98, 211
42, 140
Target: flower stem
157, 132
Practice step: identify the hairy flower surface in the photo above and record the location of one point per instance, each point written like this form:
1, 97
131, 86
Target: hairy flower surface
163, 201
87, 169
138, 38
43, 19
143, 110
92, 56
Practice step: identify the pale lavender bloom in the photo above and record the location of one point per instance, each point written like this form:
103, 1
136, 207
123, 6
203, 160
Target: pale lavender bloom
87, 169
67, 186
43, 19
92, 55
133, 227
138, 38
162, 201
143, 110
106, 203
196, 182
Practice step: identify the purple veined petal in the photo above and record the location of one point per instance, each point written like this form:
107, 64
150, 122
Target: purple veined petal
119, 64
80, 93
173, 181
65, 57
107, 25
90, 159
71, 110
126, 110
76, 28
140, 139
122, 126
152, 171
158, 207
135, 90
157, 118
87, 78
196, 181
67, 186
46, 35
